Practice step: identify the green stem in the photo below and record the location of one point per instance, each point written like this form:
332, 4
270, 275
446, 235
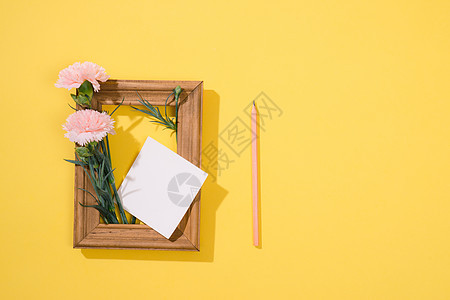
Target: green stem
108, 153
119, 204
165, 105
112, 181
176, 118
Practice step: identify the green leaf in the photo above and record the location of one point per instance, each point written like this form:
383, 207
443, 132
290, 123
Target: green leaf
106, 150
86, 89
151, 113
101, 171
72, 107
104, 212
76, 162
123, 99
159, 122
107, 176
83, 152
154, 112
92, 146
74, 97
83, 100
165, 105
89, 194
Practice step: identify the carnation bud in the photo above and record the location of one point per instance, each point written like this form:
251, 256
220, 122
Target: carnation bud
177, 91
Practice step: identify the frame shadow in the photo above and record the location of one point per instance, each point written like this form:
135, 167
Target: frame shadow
212, 196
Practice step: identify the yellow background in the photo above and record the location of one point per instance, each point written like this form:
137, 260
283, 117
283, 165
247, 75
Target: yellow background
355, 173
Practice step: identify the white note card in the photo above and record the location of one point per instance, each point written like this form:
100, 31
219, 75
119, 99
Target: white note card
160, 186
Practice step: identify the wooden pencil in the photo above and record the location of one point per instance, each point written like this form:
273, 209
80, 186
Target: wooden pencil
254, 129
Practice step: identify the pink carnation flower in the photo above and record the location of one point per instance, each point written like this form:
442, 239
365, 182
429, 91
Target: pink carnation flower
73, 76
85, 126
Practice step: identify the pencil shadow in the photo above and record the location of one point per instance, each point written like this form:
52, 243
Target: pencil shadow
212, 195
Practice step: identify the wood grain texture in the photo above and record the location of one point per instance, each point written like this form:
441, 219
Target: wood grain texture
147, 85
129, 236
88, 232
190, 127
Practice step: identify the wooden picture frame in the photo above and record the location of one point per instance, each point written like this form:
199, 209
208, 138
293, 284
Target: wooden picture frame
88, 231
